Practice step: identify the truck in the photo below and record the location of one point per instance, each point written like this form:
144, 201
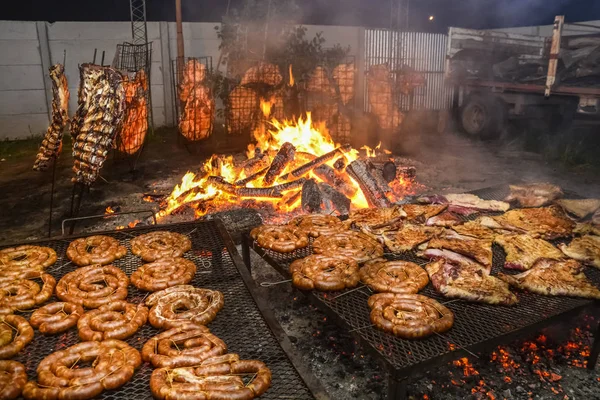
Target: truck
500, 76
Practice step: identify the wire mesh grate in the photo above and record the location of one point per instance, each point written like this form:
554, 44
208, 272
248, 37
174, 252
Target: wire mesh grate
239, 324
474, 323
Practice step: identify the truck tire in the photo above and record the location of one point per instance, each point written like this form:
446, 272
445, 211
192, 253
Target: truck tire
483, 117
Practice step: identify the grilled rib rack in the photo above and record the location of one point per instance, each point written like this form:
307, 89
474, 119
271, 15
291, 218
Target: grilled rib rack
243, 324
476, 326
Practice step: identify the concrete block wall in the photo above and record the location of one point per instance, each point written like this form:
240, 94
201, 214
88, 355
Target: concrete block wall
23, 107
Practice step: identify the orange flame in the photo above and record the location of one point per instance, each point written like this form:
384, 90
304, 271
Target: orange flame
109, 210
291, 77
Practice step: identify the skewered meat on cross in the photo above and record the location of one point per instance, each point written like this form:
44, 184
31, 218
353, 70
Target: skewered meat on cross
52, 143
198, 104
100, 112
135, 124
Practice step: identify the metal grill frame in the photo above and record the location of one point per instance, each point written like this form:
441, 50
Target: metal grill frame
247, 326
473, 326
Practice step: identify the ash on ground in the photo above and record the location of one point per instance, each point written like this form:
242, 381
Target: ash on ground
548, 365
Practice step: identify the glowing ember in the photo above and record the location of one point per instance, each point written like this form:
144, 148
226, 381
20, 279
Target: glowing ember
109, 210
133, 224
467, 367
148, 199
310, 140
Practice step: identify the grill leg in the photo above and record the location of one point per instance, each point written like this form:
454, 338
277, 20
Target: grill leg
595, 347
246, 252
397, 387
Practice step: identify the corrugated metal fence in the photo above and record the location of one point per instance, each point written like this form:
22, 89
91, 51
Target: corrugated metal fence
424, 52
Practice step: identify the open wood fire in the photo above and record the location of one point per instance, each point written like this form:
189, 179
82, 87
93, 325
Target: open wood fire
292, 167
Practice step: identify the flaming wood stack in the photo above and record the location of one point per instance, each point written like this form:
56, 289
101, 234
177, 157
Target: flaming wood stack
99, 116
52, 143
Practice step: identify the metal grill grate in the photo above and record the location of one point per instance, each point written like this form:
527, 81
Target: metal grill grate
475, 324
239, 324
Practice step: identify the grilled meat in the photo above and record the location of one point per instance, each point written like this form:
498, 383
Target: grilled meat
409, 236
466, 200
478, 250
52, 143
445, 219
99, 116
534, 194
580, 208
522, 251
546, 222
554, 278
422, 212
475, 230
460, 281
585, 228
135, 122
585, 249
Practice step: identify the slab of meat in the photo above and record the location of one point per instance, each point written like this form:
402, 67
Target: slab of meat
197, 102
422, 212
318, 81
445, 219
580, 208
522, 251
409, 236
475, 230
545, 222
585, 228
100, 112
554, 278
52, 143
381, 98
344, 77
243, 110
458, 281
534, 194
478, 250
135, 123
466, 200
585, 249
263, 73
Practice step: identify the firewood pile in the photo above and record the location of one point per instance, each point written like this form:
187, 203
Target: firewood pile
100, 112
197, 102
52, 143
135, 123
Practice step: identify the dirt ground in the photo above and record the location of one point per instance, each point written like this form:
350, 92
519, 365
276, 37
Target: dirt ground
445, 163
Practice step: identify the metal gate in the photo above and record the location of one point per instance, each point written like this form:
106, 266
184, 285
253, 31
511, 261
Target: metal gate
423, 52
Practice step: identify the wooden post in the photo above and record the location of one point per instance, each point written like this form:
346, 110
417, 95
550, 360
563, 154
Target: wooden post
559, 21
180, 47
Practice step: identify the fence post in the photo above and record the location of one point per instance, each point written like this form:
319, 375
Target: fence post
42, 34
360, 70
165, 56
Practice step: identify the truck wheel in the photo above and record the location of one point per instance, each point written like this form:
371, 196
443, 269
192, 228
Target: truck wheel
483, 117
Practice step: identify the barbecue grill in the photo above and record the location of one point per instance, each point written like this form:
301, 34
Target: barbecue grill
476, 326
244, 323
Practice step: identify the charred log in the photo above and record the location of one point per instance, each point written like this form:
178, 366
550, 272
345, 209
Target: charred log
306, 168
339, 164
339, 181
290, 199
289, 185
284, 156
334, 200
311, 196
243, 192
377, 174
251, 178
222, 184
375, 196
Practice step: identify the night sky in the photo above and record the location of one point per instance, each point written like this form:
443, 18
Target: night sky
370, 13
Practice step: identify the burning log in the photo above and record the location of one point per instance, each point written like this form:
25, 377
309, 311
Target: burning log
311, 196
289, 185
377, 174
306, 168
290, 199
334, 200
255, 163
339, 164
339, 181
375, 196
227, 187
284, 156
253, 177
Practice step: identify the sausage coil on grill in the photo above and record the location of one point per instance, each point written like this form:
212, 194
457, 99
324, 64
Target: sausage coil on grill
186, 345
15, 333
12, 379
23, 294
96, 249
55, 318
115, 320
183, 303
93, 286
217, 378
113, 363
163, 273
